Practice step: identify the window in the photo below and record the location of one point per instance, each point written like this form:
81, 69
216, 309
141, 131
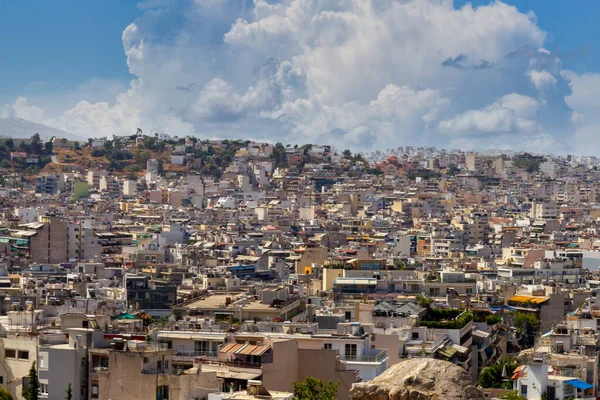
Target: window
201, 346
10, 353
524, 390
1, 380
327, 346
350, 351
94, 390
162, 393
415, 335
23, 355
43, 388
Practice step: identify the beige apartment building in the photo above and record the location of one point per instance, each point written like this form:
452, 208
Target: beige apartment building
48, 240
141, 370
294, 364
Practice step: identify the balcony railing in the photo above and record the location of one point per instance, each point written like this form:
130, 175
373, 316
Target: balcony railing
378, 357
191, 354
235, 364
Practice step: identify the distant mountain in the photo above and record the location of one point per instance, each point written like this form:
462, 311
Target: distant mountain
21, 128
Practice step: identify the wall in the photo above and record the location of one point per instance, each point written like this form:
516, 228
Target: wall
14, 369
316, 255
125, 380
279, 374
49, 244
552, 312
323, 364
60, 367
329, 275
391, 343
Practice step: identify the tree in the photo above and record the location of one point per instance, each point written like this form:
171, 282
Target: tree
36, 146
48, 146
69, 392
9, 143
424, 302
24, 147
527, 325
347, 154
521, 319
5, 394
492, 376
32, 391
493, 319
315, 389
513, 395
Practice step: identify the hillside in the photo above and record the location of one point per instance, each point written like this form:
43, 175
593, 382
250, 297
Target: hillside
130, 162
128, 158
21, 128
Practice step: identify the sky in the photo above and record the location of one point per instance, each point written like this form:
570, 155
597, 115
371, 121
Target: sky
361, 74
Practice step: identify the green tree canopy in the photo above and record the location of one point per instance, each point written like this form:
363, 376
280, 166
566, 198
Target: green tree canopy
513, 395
496, 376
315, 389
5, 394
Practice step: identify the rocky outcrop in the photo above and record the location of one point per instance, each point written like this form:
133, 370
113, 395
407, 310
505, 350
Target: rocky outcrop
418, 379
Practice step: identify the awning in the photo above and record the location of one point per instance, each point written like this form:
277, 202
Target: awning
518, 372
447, 351
231, 348
251, 350
579, 384
124, 315
528, 299
460, 349
243, 376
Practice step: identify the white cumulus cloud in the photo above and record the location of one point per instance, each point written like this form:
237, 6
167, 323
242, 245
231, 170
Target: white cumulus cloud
512, 113
358, 73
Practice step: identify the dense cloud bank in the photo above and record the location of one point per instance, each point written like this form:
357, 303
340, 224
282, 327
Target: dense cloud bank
363, 74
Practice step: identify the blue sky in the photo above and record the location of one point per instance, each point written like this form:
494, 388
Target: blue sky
572, 28
390, 73
52, 45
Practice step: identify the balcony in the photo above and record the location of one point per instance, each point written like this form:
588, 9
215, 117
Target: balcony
190, 355
160, 371
376, 356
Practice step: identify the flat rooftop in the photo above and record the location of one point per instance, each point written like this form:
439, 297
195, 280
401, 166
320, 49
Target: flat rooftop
217, 303
275, 395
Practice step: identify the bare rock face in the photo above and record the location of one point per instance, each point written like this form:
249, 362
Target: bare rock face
418, 379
